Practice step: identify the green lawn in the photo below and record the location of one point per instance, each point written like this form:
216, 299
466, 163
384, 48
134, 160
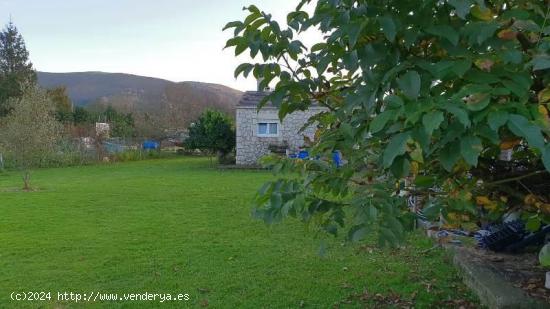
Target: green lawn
180, 226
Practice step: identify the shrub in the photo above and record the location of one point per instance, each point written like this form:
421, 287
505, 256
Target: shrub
423, 97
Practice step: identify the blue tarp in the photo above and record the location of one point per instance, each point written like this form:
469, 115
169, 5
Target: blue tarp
150, 145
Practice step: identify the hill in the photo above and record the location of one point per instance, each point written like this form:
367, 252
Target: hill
169, 104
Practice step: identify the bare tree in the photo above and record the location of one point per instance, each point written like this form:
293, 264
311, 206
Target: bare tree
29, 134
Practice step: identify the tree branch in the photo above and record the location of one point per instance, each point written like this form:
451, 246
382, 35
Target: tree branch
494, 183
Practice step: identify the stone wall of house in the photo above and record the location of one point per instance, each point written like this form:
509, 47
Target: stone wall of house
251, 147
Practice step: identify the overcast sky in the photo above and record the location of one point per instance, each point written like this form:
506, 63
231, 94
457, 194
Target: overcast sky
178, 40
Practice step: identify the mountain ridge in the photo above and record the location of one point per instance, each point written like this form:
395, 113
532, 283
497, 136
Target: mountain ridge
172, 104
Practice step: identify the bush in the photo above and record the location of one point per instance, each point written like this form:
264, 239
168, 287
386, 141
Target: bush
212, 133
135, 155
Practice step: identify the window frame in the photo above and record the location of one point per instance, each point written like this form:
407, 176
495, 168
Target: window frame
269, 125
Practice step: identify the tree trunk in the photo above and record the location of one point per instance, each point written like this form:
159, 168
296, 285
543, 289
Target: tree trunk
27, 180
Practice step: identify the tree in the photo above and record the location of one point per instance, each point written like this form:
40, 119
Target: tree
81, 115
212, 132
63, 104
30, 132
122, 125
423, 99
16, 71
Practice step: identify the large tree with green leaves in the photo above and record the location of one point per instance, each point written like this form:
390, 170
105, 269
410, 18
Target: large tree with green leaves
122, 125
443, 100
16, 70
213, 133
30, 133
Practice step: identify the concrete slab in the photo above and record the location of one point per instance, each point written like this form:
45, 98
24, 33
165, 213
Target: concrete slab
493, 290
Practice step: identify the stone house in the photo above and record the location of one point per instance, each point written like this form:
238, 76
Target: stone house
260, 131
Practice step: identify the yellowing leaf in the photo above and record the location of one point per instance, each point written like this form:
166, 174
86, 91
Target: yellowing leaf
507, 34
530, 199
414, 168
482, 14
453, 216
509, 144
483, 200
486, 203
543, 111
484, 64
544, 95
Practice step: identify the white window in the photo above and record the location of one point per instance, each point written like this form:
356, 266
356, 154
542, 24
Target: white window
268, 129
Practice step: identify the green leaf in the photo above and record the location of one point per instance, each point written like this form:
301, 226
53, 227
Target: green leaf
461, 67
470, 148
400, 167
253, 9
276, 200
462, 7
478, 101
241, 47
424, 181
438, 69
394, 101
396, 147
432, 121
479, 32
444, 31
533, 224
432, 210
232, 24
409, 83
319, 46
497, 119
380, 121
521, 127
252, 17
541, 62
395, 226
512, 56
449, 155
354, 32
387, 236
244, 68
286, 207
460, 114
357, 233
388, 27
516, 88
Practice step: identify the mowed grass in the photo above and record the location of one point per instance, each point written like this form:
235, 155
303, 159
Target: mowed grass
181, 226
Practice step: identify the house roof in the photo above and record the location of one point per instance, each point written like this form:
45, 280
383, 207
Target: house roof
253, 98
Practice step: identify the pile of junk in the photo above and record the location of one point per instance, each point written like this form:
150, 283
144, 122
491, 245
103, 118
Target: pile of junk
512, 229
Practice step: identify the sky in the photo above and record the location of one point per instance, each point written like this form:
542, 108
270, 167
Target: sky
178, 40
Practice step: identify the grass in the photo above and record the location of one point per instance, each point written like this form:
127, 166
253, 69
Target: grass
180, 226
